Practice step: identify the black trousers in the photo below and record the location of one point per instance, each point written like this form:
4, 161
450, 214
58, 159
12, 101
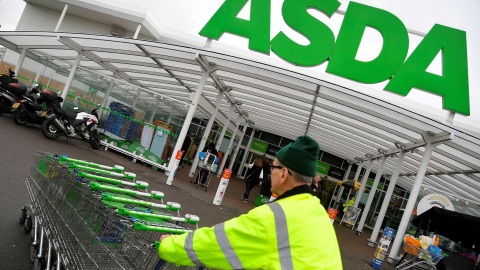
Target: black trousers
250, 184
204, 174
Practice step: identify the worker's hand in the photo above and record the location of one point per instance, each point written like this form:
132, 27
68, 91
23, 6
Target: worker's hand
165, 236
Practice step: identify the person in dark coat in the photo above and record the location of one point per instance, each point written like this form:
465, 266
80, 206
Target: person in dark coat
185, 146
210, 148
258, 169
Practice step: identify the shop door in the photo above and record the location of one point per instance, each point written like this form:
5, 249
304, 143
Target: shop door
328, 187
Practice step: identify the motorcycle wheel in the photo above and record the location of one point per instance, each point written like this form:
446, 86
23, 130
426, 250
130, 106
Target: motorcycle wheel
94, 139
50, 130
20, 117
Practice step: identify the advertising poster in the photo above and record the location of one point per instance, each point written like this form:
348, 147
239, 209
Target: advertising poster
222, 187
351, 215
383, 245
332, 213
175, 165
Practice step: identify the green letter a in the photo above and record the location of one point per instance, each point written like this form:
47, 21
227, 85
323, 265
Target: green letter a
453, 85
257, 30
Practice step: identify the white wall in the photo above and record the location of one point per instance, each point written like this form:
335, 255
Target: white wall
38, 18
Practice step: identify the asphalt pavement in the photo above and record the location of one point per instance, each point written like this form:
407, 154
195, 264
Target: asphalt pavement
17, 148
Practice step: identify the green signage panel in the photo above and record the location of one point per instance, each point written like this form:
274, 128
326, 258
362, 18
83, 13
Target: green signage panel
259, 146
370, 183
322, 168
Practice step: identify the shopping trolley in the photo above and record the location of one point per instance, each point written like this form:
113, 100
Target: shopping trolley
76, 227
207, 165
417, 256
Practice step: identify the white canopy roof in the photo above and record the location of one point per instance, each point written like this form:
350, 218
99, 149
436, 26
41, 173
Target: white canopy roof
345, 122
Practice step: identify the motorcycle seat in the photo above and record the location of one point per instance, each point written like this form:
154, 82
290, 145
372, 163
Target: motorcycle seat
71, 117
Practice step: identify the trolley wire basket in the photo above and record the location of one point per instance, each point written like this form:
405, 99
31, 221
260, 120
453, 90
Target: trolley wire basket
419, 256
206, 167
76, 229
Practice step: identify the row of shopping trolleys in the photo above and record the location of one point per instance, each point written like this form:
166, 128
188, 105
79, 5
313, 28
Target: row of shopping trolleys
85, 215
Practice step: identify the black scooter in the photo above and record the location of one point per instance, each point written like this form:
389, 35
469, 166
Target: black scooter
10, 91
28, 110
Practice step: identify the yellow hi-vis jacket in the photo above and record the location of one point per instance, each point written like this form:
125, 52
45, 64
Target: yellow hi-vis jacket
290, 233
350, 202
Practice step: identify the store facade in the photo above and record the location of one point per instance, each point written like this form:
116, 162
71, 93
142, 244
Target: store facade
174, 78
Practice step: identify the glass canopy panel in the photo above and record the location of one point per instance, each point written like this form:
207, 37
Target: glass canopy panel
277, 103
112, 56
349, 123
57, 53
102, 43
367, 118
188, 68
259, 71
343, 141
183, 54
148, 67
272, 87
459, 155
345, 135
239, 90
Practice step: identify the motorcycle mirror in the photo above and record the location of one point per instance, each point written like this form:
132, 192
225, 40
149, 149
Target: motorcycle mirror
60, 99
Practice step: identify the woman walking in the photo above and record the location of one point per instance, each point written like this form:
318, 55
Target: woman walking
256, 171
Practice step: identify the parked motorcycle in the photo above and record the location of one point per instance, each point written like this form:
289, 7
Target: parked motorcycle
10, 91
83, 125
28, 110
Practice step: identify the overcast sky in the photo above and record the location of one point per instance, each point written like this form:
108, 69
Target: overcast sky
189, 16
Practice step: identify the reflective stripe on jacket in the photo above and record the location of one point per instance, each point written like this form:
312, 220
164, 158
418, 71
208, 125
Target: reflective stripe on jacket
291, 233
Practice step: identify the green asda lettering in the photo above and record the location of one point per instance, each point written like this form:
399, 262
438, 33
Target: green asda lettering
390, 64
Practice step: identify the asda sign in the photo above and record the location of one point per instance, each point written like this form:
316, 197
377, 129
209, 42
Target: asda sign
391, 63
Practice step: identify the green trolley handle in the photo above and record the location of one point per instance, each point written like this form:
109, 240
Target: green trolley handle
116, 168
127, 175
153, 194
143, 227
192, 219
137, 184
172, 206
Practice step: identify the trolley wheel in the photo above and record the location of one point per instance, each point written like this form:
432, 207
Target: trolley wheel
33, 252
27, 226
62, 266
39, 264
23, 216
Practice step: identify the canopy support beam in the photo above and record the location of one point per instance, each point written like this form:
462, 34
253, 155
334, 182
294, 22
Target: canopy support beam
407, 213
386, 200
